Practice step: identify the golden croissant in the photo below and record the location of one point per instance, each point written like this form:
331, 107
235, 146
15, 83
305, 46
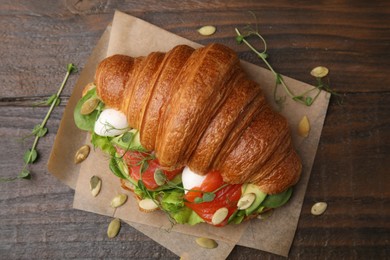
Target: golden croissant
198, 108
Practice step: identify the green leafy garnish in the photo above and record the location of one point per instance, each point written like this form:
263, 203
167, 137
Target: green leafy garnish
306, 98
127, 137
104, 143
31, 155
87, 122
115, 165
159, 177
208, 196
50, 100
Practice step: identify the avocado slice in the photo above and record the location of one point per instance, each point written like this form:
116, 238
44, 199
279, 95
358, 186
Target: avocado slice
129, 141
260, 196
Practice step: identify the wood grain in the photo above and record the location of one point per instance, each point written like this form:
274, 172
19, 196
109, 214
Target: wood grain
351, 38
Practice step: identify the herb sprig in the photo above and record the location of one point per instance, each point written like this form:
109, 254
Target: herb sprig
207, 196
40, 130
305, 98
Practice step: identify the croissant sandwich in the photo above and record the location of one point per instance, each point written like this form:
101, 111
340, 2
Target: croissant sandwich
190, 134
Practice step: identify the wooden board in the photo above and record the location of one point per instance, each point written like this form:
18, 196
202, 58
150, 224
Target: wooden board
38, 39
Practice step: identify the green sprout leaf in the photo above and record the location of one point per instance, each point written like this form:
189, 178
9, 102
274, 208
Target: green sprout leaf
24, 174
239, 39
30, 156
50, 100
198, 200
302, 98
127, 137
39, 130
159, 177
71, 68
144, 166
208, 196
308, 101
263, 55
115, 169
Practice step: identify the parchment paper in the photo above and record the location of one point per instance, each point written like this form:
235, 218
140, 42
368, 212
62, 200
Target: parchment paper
134, 37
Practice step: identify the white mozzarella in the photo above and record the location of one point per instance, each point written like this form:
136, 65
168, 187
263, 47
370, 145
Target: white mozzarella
111, 122
190, 179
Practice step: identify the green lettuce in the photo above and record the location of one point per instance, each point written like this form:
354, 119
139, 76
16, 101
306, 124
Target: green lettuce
194, 218
104, 143
86, 122
173, 202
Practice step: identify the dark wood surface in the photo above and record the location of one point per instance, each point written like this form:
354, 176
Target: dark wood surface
351, 169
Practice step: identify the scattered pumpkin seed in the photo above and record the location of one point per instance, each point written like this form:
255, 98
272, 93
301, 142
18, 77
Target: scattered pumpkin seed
95, 184
89, 106
304, 127
319, 208
147, 205
319, 72
88, 87
81, 154
118, 200
207, 30
266, 214
127, 185
113, 228
206, 242
219, 216
246, 201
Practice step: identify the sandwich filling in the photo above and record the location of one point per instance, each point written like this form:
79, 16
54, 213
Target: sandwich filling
186, 197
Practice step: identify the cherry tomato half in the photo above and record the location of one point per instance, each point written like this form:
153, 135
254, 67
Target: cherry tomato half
227, 197
133, 159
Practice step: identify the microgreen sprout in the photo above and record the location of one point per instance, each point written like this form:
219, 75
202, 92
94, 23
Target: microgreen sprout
108, 127
161, 179
305, 98
40, 130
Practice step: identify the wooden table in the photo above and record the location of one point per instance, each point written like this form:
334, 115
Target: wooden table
351, 170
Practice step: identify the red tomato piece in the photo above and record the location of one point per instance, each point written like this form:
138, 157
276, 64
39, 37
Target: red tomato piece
133, 158
226, 197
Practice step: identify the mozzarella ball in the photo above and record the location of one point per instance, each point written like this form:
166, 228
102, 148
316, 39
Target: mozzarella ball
190, 179
111, 122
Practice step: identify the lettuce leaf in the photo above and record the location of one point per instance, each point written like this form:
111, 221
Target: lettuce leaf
86, 122
173, 201
104, 143
194, 219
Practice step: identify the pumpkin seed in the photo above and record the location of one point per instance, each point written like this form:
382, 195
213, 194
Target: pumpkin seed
95, 184
266, 214
219, 216
81, 154
113, 228
319, 208
206, 242
87, 88
89, 106
207, 30
147, 205
246, 201
118, 200
127, 185
319, 72
304, 127
159, 177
